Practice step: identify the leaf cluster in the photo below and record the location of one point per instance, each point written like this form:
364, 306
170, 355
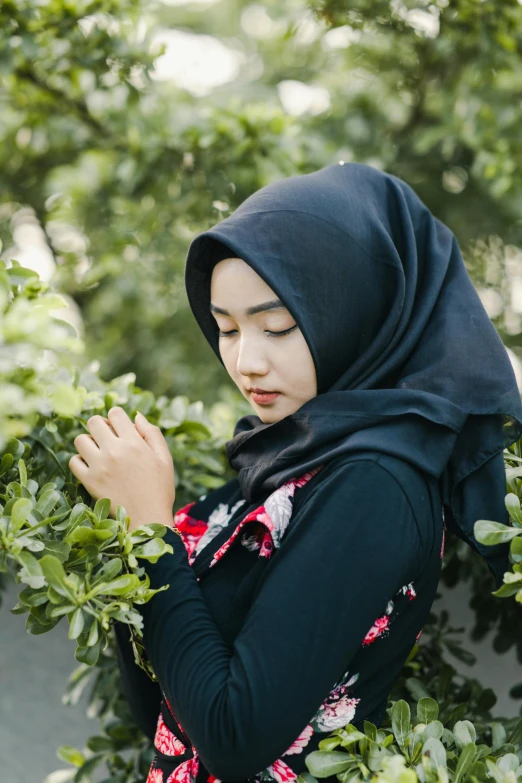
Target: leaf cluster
426, 749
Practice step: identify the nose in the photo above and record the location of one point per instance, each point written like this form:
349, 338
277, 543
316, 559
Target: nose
251, 358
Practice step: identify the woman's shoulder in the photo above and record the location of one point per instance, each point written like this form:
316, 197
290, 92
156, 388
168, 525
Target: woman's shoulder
378, 484
340, 472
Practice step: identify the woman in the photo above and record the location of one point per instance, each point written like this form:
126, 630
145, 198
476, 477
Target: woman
300, 586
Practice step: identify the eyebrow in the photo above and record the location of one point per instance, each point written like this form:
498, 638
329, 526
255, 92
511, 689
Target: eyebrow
274, 304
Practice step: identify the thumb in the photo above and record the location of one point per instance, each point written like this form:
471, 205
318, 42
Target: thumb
151, 434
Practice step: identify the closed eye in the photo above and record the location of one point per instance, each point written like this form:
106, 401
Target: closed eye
272, 334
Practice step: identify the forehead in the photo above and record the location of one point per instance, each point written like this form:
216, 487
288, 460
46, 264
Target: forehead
233, 278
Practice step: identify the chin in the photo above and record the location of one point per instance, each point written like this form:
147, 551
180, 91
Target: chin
270, 417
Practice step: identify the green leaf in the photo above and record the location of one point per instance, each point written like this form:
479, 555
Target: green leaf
491, 533
108, 571
324, 763
102, 508
516, 546
65, 400
464, 733
498, 735
99, 744
152, 550
329, 743
82, 535
427, 710
55, 575
20, 608
61, 609
60, 549
6, 463
125, 583
22, 470
516, 734
416, 688
465, 760
434, 729
206, 481
15, 447
436, 752
506, 590
509, 762
47, 502
512, 503
76, 623
35, 627
88, 655
70, 755
20, 512
84, 773
31, 572
94, 634
401, 725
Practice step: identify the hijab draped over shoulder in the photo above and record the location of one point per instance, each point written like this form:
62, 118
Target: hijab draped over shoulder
408, 362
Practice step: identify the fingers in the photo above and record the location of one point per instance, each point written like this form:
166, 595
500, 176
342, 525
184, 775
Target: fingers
100, 431
121, 423
78, 467
86, 447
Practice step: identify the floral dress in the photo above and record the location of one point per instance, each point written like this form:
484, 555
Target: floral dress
360, 693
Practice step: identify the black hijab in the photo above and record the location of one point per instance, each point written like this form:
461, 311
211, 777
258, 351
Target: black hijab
407, 359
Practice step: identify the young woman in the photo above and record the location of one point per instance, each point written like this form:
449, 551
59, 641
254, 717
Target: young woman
383, 399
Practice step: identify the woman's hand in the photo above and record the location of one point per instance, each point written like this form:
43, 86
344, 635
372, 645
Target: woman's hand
129, 463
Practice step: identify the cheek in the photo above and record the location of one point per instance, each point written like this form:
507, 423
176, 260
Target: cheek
298, 363
229, 358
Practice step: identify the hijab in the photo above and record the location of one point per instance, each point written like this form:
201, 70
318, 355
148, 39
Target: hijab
408, 362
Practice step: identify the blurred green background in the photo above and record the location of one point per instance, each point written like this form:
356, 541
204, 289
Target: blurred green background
128, 127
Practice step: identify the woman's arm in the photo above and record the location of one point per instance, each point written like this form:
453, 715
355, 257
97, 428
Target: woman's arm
142, 694
352, 545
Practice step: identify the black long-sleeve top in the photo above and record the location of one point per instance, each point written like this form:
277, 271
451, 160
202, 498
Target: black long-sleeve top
298, 625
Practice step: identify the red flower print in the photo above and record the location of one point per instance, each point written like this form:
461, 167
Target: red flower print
212, 779
267, 546
338, 708
419, 635
408, 590
301, 742
191, 529
442, 546
167, 742
274, 514
281, 772
186, 772
378, 628
180, 727
154, 776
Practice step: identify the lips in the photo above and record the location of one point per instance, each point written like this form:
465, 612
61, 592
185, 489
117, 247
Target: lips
263, 391
264, 398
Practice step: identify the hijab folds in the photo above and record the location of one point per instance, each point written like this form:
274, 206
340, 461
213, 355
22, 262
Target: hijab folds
407, 360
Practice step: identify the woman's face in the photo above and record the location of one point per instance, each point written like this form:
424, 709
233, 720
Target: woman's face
253, 352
